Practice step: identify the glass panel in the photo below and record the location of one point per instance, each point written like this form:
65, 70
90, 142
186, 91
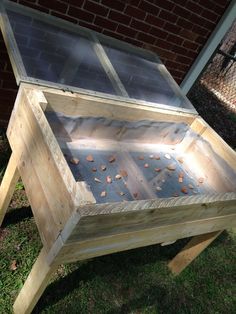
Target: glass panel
142, 79
54, 54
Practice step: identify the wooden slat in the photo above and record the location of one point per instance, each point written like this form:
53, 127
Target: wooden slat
47, 227
53, 195
217, 143
85, 105
34, 285
130, 240
194, 247
8, 184
108, 68
156, 214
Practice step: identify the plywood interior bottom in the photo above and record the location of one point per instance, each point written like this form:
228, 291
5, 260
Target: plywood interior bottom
142, 159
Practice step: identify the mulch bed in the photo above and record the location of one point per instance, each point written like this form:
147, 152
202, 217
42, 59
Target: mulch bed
215, 112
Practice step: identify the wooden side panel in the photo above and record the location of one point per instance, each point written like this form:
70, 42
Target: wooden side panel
84, 105
51, 201
125, 241
110, 219
217, 143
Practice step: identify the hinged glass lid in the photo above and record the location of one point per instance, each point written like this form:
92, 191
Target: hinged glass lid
48, 51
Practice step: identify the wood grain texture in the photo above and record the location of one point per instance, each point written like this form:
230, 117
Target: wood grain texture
121, 217
35, 285
8, 184
194, 247
125, 241
56, 197
86, 105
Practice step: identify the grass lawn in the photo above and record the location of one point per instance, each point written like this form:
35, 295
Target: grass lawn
135, 281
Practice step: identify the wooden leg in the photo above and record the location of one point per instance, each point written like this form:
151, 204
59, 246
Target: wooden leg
7, 187
35, 285
194, 247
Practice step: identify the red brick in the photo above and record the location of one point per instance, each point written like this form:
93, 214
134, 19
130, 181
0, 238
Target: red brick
184, 59
54, 5
8, 95
165, 4
127, 31
191, 54
149, 7
209, 25
200, 30
81, 14
179, 50
210, 4
95, 8
175, 65
219, 10
140, 26
164, 44
176, 73
223, 3
184, 23
190, 45
91, 26
188, 34
119, 17
146, 38
133, 41
34, 6
135, 12
114, 4
153, 20
194, 7
201, 40
113, 34
9, 84
210, 15
2, 65
172, 28
197, 20
4, 75
158, 32
168, 16
164, 53
105, 23
76, 3
180, 11
65, 17
175, 39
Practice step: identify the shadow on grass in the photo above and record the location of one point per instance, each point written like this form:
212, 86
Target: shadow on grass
128, 264
15, 215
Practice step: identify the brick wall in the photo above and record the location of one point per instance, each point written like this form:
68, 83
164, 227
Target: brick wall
175, 29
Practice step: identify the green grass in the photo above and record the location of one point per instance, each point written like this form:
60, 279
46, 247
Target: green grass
136, 281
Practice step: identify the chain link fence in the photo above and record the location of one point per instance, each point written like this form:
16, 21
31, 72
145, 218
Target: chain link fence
214, 93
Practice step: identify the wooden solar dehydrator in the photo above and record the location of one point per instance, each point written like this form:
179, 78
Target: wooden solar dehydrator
111, 154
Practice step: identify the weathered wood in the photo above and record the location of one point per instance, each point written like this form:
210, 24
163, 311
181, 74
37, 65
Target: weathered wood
57, 192
8, 184
99, 246
108, 68
35, 284
194, 247
99, 220
72, 227
86, 105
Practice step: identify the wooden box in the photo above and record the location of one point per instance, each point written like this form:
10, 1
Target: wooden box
105, 174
